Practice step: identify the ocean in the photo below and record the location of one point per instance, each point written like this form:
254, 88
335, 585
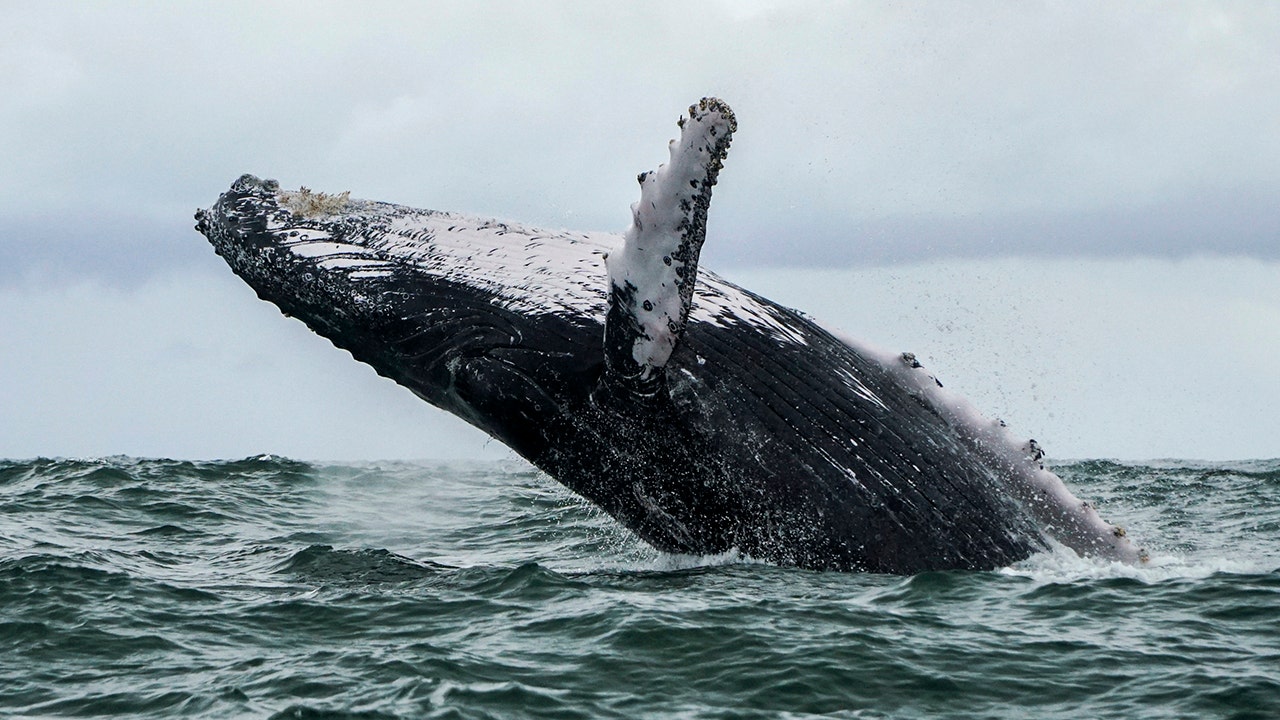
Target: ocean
275, 588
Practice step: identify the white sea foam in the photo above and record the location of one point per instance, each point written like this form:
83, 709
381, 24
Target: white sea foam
1060, 564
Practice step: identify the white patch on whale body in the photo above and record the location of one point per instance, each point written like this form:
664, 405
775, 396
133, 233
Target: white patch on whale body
528, 270
1063, 516
721, 303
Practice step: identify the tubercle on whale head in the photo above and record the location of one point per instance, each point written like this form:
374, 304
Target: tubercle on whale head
253, 228
652, 276
307, 203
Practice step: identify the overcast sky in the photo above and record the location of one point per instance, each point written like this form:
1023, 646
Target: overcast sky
868, 131
877, 140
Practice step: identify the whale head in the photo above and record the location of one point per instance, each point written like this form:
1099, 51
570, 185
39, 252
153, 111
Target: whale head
484, 319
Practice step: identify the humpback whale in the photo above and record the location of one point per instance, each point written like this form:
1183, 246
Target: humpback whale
703, 417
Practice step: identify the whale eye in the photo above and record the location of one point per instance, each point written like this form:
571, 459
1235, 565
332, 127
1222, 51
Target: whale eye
648, 305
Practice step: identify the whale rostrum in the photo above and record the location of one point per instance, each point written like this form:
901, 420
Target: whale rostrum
701, 416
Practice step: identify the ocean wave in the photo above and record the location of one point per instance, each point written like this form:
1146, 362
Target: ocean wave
324, 563
270, 587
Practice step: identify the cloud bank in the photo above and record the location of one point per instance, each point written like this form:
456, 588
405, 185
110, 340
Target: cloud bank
1134, 359
870, 133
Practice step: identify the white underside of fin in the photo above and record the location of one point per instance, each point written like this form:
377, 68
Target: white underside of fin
655, 269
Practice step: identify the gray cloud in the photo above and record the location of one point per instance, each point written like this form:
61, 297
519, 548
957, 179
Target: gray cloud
1208, 223
869, 133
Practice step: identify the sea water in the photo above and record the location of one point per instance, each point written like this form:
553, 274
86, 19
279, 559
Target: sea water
269, 587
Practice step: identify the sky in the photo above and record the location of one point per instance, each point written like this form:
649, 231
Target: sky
1071, 210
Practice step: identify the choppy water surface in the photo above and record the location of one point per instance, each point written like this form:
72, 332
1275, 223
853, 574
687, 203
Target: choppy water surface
268, 587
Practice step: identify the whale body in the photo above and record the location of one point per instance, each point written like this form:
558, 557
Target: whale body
701, 416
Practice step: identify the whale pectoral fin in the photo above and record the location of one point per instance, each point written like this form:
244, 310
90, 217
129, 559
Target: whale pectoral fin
652, 276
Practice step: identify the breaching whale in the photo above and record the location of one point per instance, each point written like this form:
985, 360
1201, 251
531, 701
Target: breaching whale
703, 417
